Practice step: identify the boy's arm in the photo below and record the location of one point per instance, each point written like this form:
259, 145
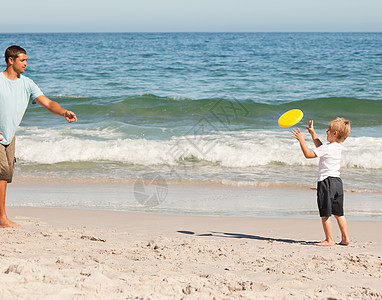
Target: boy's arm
312, 132
298, 135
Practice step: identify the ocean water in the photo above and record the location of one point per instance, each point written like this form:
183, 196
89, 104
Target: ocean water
200, 107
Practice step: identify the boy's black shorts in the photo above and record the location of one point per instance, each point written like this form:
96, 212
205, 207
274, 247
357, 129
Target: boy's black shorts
330, 197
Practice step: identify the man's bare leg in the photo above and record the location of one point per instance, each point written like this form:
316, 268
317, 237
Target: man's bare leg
4, 221
327, 225
342, 224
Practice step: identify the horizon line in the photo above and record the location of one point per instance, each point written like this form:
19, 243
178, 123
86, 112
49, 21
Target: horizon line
100, 32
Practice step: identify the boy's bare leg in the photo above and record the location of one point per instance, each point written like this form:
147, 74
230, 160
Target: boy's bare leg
342, 224
327, 225
4, 221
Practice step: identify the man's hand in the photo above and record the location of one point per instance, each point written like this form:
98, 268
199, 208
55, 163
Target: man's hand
298, 135
70, 116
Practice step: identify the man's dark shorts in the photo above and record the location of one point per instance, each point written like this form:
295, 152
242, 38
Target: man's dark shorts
7, 161
330, 197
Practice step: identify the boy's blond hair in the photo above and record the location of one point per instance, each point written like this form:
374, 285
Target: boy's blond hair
342, 126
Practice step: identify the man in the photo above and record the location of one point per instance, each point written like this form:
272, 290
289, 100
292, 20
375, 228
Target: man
16, 91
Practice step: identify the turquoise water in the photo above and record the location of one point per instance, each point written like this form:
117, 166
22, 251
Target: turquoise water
200, 107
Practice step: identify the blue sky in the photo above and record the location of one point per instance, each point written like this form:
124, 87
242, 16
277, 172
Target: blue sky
191, 15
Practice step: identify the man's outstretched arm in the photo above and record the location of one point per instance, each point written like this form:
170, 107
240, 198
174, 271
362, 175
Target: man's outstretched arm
56, 108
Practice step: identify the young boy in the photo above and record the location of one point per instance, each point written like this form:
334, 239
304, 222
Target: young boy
329, 186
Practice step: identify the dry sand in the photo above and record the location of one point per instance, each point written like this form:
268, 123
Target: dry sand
83, 254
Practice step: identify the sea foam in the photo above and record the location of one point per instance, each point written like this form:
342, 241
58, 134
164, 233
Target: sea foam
240, 149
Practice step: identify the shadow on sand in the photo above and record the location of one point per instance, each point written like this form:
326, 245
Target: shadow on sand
247, 236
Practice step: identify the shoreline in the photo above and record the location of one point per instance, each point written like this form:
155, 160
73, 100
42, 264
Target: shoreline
177, 182
156, 197
185, 214
186, 182
80, 254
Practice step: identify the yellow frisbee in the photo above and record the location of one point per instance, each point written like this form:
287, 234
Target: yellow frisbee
290, 118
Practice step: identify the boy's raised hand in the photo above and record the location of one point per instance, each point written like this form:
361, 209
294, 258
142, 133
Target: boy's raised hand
310, 127
298, 135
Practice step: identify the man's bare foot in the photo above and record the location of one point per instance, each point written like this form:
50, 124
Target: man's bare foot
325, 243
9, 224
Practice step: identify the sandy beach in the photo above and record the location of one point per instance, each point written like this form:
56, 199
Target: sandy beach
177, 181
94, 254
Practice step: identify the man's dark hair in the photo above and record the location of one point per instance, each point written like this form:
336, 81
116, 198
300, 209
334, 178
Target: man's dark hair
13, 51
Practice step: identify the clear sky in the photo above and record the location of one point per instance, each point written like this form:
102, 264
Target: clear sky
191, 15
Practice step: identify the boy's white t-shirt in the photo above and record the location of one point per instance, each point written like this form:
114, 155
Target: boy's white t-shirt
330, 160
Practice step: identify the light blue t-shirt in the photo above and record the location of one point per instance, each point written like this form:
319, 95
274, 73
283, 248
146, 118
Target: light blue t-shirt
14, 99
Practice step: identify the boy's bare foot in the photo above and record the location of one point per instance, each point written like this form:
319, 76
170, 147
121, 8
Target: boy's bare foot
344, 242
325, 243
6, 223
